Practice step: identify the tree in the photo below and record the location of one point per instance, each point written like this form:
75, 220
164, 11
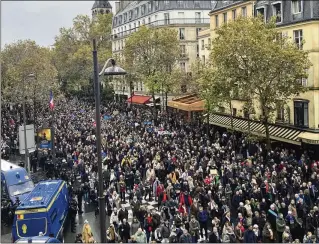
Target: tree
73, 50
19, 60
148, 52
254, 57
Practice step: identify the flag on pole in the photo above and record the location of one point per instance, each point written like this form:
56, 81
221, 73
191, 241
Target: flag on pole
51, 104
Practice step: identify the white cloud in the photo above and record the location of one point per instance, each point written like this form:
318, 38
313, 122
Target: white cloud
38, 20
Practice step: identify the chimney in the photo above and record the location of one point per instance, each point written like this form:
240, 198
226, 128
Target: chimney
117, 7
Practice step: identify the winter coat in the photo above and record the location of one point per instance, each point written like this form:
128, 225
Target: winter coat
194, 227
202, 216
280, 225
249, 237
87, 233
140, 237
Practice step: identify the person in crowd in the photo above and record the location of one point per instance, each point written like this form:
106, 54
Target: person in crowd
87, 234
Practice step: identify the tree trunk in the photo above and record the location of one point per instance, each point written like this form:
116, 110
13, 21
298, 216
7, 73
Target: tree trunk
208, 124
267, 133
166, 98
231, 118
154, 108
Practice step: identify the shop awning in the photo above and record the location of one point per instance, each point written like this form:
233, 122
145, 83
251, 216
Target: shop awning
138, 99
278, 133
310, 138
190, 103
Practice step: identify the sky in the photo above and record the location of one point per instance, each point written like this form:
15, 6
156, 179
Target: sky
38, 20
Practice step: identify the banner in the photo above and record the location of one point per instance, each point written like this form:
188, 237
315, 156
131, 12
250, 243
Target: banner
45, 138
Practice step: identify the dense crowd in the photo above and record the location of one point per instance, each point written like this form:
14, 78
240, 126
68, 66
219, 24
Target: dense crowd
209, 187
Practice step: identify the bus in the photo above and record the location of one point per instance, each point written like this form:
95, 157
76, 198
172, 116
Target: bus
15, 182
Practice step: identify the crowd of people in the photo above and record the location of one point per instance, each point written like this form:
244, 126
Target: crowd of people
207, 185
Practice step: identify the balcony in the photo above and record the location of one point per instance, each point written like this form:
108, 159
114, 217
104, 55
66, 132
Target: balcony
165, 22
183, 56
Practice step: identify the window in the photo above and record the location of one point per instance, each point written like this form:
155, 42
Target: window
143, 9
182, 33
166, 18
166, 3
196, 4
298, 38
156, 17
197, 17
134, 26
143, 21
180, 4
125, 17
203, 45
234, 14
244, 11
225, 18
261, 11
182, 49
280, 112
150, 7
276, 10
183, 67
301, 113
234, 111
149, 20
203, 59
303, 81
197, 31
296, 6
181, 15
216, 21
197, 49
136, 12
209, 43
120, 19
156, 5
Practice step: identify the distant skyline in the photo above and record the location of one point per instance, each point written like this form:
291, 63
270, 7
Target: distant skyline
39, 20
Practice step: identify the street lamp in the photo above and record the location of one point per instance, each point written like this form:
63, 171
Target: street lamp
26, 151
110, 71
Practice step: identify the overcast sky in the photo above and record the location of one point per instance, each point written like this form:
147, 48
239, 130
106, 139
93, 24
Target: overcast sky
38, 20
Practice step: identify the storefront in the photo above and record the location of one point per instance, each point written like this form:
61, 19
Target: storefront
310, 142
190, 106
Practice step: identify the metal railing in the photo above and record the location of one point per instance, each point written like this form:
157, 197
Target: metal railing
164, 22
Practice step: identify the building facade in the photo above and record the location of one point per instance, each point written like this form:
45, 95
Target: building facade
187, 17
298, 121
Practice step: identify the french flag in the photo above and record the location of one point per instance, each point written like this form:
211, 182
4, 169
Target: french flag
51, 103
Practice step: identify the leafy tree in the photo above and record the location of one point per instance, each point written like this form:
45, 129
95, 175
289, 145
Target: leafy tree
254, 57
19, 61
148, 52
73, 50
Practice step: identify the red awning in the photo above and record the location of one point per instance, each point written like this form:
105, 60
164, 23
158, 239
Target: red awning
139, 99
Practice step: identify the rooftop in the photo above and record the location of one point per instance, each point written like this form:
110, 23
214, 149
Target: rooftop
101, 4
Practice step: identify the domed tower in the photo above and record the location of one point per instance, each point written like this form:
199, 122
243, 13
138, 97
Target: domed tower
101, 7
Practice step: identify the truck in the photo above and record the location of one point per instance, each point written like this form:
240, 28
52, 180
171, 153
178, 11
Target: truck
15, 182
44, 210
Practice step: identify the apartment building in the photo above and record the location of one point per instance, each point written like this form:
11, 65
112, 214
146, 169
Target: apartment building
298, 121
188, 17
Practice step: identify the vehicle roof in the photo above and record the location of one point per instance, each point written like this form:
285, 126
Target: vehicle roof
35, 239
42, 195
5, 165
16, 176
